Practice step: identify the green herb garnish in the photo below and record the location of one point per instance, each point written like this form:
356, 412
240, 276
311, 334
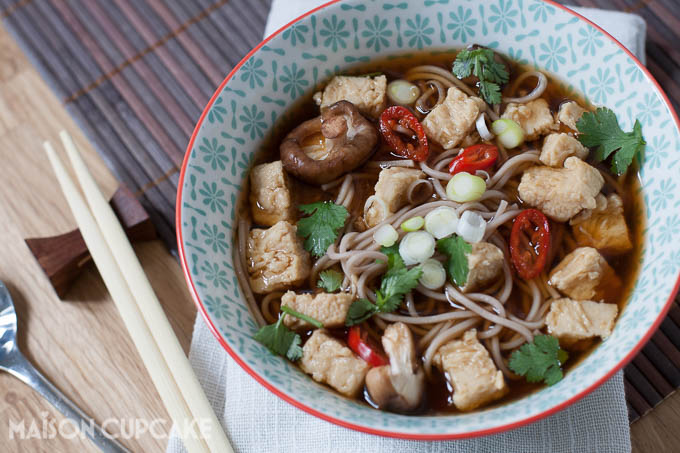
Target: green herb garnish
456, 249
540, 360
282, 341
330, 280
397, 281
320, 229
601, 129
481, 64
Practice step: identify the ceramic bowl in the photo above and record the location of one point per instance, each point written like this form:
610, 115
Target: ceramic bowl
300, 56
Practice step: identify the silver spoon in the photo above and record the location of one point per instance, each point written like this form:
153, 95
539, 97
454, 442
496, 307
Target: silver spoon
14, 362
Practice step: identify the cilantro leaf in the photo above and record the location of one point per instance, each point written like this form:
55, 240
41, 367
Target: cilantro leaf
360, 311
456, 249
482, 64
495, 71
490, 91
320, 229
330, 280
462, 66
280, 340
392, 249
397, 282
601, 130
540, 360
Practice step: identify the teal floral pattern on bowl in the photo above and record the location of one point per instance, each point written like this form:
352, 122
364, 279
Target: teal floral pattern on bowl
301, 57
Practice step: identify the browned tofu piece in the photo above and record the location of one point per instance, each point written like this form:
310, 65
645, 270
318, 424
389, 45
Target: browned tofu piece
557, 147
485, 264
452, 120
469, 369
569, 113
392, 191
366, 93
604, 227
270, 200
329, 309
276, 258
571, 320
534, 117
561, 193
583, 275
330, 362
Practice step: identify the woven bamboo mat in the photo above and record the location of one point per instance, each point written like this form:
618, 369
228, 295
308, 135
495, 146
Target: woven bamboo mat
136, 74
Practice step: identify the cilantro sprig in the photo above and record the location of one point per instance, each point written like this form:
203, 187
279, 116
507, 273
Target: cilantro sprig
481, 64
329, 280
397, 282
320, 229
601, 129
540, 360
456, 249
282, 341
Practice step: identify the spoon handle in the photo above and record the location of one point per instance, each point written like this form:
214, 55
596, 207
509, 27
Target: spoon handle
24, 371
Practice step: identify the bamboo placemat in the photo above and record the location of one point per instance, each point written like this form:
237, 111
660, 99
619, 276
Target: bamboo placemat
136, 74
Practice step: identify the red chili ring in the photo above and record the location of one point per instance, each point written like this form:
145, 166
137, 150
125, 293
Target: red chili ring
530, 256
398, 115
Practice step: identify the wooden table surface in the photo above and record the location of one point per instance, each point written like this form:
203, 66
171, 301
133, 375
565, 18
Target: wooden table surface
80, 343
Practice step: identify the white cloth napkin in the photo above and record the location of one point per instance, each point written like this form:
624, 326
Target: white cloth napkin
258, 421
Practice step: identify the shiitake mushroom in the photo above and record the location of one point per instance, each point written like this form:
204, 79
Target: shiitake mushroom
349, 139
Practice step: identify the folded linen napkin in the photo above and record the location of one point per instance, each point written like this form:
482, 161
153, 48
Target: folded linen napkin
258, 421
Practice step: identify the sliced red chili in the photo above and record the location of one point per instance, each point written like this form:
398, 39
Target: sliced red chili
473, 158
530, 243
417, 147
364, 347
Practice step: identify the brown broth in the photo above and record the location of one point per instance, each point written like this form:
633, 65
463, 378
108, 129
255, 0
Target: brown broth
626, 266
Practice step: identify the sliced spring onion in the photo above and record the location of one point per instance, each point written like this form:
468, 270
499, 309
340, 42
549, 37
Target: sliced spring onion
482, 128
434, 275
386, 235
416, 247
508, 132
464, 187
413, 224
471, 227
402, 92
441, 222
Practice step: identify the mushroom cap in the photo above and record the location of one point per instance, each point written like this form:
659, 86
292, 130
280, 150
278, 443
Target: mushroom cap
349, 137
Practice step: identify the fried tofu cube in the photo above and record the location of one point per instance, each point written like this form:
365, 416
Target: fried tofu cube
452, 120
366, 93
557, 147
569, 113
604, 227
470, 371
392, 193
330, 362
561, 193
270, 199
276, 258
485, 264
534, 117
583, 275
571, 320
329, 309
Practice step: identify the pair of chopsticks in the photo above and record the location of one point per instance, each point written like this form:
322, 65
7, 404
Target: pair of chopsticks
138, 305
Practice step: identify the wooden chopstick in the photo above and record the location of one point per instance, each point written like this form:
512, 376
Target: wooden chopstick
167, 383
147, 302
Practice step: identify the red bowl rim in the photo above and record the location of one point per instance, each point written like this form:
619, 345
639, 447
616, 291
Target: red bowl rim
482, 432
